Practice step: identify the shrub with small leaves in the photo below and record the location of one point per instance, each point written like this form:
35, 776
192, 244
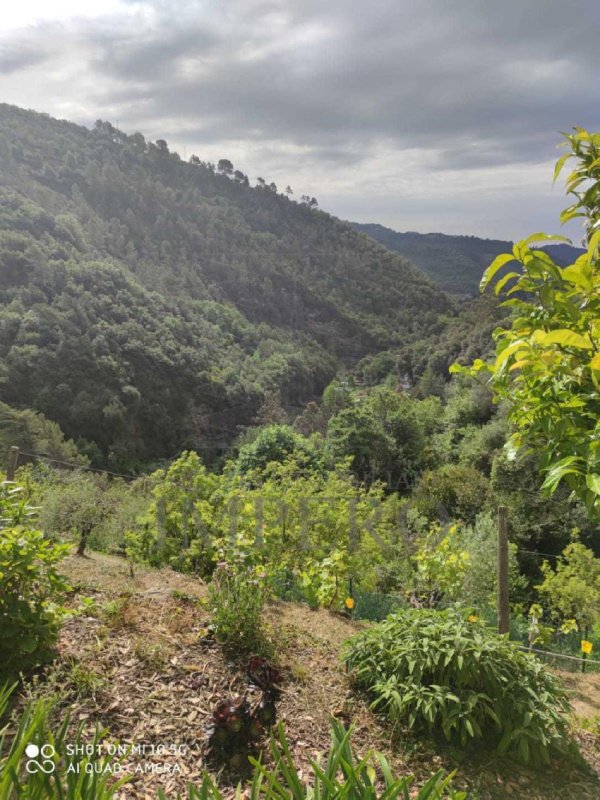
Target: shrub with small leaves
236, 600
31, 588
443, 671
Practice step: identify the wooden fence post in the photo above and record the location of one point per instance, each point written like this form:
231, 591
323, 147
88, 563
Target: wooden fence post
503, 610
584, 655
13, 460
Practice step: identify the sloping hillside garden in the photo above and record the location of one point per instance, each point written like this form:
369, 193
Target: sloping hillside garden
367, 490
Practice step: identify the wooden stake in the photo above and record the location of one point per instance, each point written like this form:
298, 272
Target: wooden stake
13, 460
503, 610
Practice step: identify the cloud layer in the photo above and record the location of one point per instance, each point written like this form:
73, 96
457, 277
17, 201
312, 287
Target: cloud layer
419, 114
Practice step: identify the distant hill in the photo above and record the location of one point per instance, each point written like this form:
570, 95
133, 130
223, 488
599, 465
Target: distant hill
149, 304
455, 263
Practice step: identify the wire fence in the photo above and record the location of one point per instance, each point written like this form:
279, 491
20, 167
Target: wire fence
563, 660
77, 466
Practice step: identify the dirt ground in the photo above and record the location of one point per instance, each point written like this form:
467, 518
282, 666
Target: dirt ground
138, 661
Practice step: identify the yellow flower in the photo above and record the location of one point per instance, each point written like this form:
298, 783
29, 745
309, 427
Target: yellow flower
472, 617
349, 602
586, 647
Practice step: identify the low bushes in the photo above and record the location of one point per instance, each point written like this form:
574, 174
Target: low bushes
236, 601
31, 588
442, 671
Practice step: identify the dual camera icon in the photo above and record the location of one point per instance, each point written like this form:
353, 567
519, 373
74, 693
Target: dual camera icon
40, 759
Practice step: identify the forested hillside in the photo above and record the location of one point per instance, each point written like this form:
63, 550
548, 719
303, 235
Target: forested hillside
345, 566
149, 304
455, 263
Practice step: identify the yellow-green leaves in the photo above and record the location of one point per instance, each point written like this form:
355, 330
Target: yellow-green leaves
563, 337
571, 587
477, 366
504, 280
580, 274
595, 369
560, 164
493, 268
547, 365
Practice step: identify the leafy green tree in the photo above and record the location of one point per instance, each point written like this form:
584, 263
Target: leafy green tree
572, 588
452, 491
225, 167
34, 433
441, 565
275, 443
338, 395
355, 432
430, 383
77, 506
547, 365
181, 524
480, 582
536, 519
385, 433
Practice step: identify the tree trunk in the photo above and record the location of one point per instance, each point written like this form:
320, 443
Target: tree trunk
85, 532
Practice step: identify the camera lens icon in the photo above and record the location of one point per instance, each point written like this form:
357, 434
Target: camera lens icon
45, 754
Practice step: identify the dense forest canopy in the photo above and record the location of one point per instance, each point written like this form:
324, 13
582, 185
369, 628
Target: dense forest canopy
455, 263
148, 304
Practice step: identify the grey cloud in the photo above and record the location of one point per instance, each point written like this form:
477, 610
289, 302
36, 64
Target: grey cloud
150, 55
22, 53
473, 84
422, 74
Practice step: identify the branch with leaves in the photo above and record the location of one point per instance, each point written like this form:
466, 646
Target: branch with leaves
547, 364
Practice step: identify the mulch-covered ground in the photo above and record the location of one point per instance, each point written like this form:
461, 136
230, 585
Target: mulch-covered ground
139, 663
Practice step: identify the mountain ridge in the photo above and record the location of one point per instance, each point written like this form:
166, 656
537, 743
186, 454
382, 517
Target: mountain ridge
454, 262
142, 296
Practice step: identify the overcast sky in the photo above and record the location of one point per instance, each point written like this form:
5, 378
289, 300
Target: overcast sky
427, 115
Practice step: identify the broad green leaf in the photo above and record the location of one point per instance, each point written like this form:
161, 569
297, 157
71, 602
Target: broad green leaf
504, 280
457, 369
493, 268
592, 481
593, 245
544, 237
579, 273
570, 213
560, 164
566, 466
518, 364
567, 338
507, 352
